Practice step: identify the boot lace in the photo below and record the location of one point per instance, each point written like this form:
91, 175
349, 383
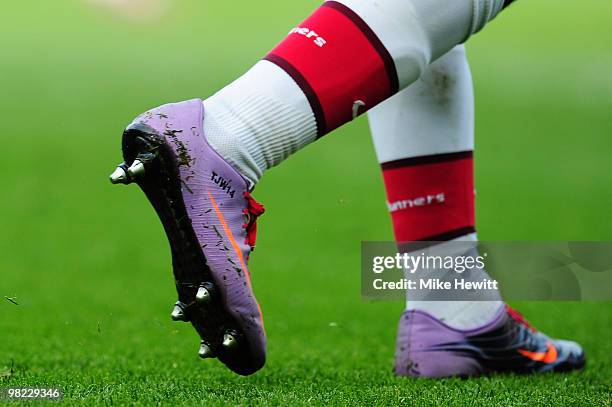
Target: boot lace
518, 317
251, 213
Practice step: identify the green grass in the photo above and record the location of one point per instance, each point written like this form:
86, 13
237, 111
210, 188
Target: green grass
90, 267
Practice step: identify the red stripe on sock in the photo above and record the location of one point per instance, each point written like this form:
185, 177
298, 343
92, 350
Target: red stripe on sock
337, 60
431, 199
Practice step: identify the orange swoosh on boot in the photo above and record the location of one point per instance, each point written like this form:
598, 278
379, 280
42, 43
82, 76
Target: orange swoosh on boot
550, 356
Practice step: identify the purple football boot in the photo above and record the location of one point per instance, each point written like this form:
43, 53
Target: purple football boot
209, 217
426, 347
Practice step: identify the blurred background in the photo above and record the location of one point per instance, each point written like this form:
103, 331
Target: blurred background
85, 278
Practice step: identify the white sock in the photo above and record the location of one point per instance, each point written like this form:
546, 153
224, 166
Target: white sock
259, 120
432, 121
284, 103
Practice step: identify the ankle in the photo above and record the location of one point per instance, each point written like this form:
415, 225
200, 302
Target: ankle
226, 141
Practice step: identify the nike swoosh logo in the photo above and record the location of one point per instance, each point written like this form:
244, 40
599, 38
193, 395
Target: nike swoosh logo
229, 233
550, 356
236, 247
357, 105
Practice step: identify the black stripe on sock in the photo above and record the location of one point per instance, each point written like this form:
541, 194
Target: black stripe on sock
313, 99
373, 39
450, 235
507, 3
433, 240
427, 159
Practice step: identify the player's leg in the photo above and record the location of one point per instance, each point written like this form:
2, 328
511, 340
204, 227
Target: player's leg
424, 138
344, 59
197, 162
